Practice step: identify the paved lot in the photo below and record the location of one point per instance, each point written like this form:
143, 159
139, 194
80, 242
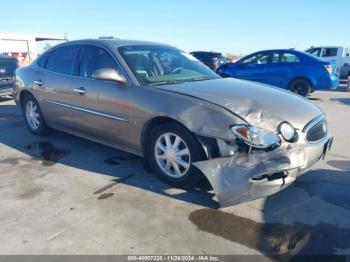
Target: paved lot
64, 195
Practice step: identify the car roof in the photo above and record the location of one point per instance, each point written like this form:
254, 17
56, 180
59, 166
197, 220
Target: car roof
325, 46
279, 50
109, 42
300, 53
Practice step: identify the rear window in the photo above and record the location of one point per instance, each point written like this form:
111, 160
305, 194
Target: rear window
61, 60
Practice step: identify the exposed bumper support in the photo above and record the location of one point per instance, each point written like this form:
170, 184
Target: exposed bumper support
245, 177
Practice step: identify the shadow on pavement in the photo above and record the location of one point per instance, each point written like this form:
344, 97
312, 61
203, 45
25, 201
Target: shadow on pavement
342, 100
291, 227
69, 150
340, 164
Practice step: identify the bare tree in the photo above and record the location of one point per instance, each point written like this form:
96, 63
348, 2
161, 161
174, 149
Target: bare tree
47, 46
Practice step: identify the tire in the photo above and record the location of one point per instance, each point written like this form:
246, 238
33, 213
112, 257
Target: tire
33, 117
301, 87
189, 174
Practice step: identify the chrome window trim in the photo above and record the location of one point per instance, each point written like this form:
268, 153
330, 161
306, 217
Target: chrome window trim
118, 118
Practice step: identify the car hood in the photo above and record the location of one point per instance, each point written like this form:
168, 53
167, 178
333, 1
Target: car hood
260, 105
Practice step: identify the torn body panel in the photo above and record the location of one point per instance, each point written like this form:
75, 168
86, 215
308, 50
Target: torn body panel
244, 177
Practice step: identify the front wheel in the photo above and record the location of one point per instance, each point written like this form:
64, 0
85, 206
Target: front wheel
33, 116
171, 151
301, 87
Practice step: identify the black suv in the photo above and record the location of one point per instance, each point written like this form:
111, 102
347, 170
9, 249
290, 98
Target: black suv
211, 59
8, 65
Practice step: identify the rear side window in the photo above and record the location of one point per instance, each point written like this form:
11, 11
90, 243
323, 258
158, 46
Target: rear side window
95, 58
43, 60
289, 58
61, 60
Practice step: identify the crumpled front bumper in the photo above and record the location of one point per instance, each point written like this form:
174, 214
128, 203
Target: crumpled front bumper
244, 177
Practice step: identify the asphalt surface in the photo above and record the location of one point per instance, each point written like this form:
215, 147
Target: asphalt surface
65, 195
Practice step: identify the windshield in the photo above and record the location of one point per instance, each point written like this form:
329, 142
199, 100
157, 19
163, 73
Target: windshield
161, 65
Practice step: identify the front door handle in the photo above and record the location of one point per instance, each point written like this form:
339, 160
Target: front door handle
80, 91
38, 82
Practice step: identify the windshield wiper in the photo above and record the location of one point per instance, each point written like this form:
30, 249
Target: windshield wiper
203, 78
181, 81
166, 82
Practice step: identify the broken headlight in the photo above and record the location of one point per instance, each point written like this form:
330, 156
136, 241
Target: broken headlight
255, 136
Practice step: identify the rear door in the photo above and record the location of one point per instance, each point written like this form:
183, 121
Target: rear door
103, 108
52, 84
281, 68
253, 68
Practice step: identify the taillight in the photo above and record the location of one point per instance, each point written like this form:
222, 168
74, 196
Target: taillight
329, 68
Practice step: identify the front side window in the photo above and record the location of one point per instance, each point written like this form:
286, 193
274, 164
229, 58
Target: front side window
61, 60
95, 58
258, 59
161, 65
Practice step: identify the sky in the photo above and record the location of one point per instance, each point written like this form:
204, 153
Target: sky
227, 26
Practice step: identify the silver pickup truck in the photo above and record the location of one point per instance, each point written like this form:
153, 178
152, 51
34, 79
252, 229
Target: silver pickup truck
8, 65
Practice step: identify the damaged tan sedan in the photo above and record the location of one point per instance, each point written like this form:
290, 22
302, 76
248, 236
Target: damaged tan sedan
249, 140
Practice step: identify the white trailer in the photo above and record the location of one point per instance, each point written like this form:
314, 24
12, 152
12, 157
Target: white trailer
23, 46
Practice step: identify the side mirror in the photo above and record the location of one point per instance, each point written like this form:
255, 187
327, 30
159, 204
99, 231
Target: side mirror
109, 74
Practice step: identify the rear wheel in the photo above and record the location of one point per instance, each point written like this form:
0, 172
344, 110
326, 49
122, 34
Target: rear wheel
301, 87
171, 152
33, 116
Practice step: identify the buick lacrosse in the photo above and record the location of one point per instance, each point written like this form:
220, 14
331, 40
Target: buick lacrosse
249, 140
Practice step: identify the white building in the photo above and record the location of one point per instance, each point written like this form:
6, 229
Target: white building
23, 46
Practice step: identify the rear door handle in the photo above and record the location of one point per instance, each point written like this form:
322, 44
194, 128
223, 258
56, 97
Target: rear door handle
80, 91
38, 82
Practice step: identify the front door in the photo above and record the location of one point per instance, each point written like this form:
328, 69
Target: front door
253, 68
103, 108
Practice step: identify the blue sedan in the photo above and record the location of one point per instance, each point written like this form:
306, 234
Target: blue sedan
288, 69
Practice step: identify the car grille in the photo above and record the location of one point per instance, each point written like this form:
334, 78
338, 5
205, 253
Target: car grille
317, 131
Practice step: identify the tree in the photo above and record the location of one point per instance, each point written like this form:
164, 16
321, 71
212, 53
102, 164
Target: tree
47, 46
